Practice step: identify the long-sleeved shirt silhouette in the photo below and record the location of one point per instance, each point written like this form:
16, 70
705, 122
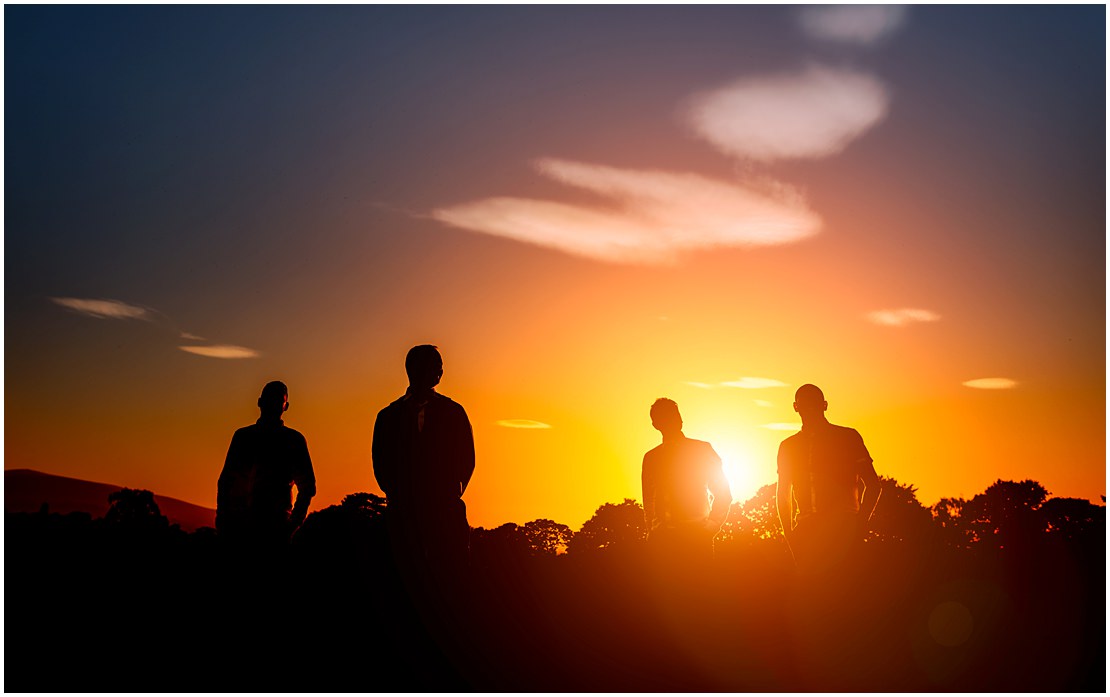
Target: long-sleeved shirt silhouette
684, 483
255, 489
423, 452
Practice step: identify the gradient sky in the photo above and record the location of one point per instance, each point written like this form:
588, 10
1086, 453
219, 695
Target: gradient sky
585, 208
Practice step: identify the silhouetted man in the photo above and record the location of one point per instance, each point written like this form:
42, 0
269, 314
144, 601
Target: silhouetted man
821, 472
686, 495
254, 500
423, 454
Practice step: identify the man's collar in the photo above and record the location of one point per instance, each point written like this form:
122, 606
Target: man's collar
262, 421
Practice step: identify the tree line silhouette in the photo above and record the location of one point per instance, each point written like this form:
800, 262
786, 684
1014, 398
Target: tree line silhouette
1001, 592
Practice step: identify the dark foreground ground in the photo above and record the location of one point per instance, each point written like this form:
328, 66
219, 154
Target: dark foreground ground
91, 611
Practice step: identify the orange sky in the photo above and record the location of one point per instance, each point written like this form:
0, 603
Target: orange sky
585, 213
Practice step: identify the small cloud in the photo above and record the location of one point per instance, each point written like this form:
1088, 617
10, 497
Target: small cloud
754, 383
763, 403
814, 113
104, 309
191, 337
901, 317
651, 215
782, 427
220, 351
991, 384
853, 24
522, 423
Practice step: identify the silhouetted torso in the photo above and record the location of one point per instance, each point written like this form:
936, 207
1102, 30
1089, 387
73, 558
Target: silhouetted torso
825, 463
677, 477
263, 463
423, 452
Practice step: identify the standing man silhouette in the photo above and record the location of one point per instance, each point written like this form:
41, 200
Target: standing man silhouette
686, 495
254, 495
821, 472
423, 454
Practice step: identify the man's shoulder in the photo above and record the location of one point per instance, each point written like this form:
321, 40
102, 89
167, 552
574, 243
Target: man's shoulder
845, 432
654, 453
791, 441
700, 446
442, 401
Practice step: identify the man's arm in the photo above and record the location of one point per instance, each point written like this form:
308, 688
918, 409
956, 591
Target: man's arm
784, 496
382, 453
873, 489
722, 494
465, 451
647, 482
231, 486
305, 479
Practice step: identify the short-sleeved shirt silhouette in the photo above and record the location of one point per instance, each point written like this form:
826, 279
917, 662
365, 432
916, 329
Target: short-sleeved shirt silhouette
678, 477
824, 463
423, 453
255, 489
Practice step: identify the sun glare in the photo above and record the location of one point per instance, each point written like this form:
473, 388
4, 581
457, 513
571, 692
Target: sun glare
738, 463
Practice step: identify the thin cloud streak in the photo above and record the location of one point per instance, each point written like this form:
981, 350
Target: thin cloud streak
811, 114
901, 317
523, 423
226, 352
991, 384
653, 215
754, 383
104, 309
852, 24
745, 383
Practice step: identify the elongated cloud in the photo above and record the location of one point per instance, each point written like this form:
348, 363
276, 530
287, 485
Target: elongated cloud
852, 24
104, 309
746, 383
814, 113
652, 215
522, 423
991, 383
229, 352
901, 317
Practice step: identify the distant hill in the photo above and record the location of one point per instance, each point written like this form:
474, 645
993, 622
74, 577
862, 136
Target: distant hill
26, 490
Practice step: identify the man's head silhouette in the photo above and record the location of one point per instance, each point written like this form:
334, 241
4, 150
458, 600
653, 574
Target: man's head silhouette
274, 399
665, 417
809, 402
424, 366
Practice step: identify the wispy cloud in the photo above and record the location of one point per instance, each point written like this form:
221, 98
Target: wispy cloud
190, 337
754, 383
652, 214
814, 113
782, 427
853, 24
763, 403
104, 309
745, 383
902, 317
220, 351
991, 383
522, 423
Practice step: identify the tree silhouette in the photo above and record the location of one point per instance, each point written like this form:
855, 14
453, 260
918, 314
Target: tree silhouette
506, 543
612, 525
1006, 513
900, 516
546, 537
754, 519
135, 509
949, 522
1073, 519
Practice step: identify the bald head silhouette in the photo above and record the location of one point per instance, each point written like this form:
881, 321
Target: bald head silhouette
424, 366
